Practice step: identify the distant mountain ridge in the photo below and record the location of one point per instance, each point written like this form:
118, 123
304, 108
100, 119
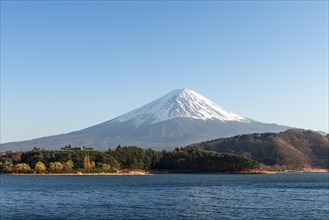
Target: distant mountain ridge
296, 148
176, 119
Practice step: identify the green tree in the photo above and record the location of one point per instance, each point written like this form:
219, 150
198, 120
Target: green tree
22, 168
56, 166
92, 164
68, 165
86, 163
40, 167
6, 164
8, 168
106, 167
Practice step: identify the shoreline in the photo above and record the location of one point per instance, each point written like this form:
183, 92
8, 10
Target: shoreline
304, 170
76, 174
153, 172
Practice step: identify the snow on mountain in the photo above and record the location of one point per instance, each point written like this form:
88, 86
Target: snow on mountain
180, 103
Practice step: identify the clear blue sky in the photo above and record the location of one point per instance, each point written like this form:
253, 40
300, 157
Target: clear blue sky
69, 65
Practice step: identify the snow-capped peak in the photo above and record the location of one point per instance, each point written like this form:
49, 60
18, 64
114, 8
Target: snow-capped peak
180, 103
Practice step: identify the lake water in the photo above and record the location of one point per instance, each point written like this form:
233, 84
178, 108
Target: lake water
166, 196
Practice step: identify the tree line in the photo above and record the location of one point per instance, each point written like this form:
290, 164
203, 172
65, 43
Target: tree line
124, 159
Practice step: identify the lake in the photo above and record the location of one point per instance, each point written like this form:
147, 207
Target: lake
166, 196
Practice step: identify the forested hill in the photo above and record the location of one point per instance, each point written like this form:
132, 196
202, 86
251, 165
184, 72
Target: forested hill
295, 148
122, 159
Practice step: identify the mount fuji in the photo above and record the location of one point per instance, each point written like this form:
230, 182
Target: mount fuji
178, 118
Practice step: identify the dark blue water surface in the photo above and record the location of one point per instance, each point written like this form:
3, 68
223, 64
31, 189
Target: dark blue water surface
166, 196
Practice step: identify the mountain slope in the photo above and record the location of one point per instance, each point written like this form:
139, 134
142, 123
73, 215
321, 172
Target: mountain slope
178, 118
296, 148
